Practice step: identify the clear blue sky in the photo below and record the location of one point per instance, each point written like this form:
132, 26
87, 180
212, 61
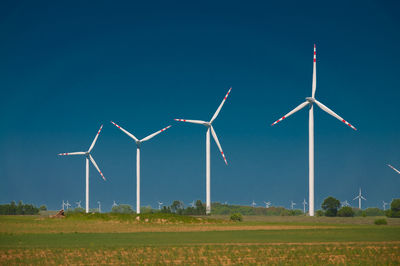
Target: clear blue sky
67, 68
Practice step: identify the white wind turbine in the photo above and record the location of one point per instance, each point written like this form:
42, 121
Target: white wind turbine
345, 203
267, 204
159, 205
304, 205
78, 204
192, 204
88, 157
394, 169
384, 205
114, 204
67, 205
209, 127
99, 206
292, 205
138, 143
310, 102
253, 204
63, 205
359, 197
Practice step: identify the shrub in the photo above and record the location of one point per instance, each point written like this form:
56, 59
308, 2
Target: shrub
380, 222
330, 206
236, 217
394, 211
374, 212
319, 213
346, 211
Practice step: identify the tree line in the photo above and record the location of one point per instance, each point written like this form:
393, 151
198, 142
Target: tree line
18, 209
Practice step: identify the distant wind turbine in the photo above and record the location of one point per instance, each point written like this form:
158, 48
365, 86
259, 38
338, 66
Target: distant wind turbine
359, 197
292, 205
99, 206
138, 144
88, 157
192, 204
310, 101
67, 205
63, 205
345, 203
253, 204
114, 204
384, 205
159, 205
267, 204
78, 204
209, 127
394, 169
304, 205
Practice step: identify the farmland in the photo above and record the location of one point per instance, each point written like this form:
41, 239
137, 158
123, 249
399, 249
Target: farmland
171, 240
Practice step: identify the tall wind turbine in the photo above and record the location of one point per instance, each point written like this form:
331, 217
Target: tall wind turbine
138, 144
310, 102
88, 157
304, 205
359, 197
209, 127
394, 169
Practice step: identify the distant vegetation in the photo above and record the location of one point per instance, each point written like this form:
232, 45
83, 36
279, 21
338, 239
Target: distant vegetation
18, 209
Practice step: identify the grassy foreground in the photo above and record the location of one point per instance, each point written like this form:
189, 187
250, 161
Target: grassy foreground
91, 240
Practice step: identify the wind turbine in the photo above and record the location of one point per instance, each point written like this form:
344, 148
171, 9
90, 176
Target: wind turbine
292, 204
99, 206
67, 205
310, 102
63, 205
384, 205
304, 205
253, 204
138, 144
192, 204
159, 205
209, 127
345, 203
394, 168
114, 204
267, 204
88, 157
78, 204
359, 197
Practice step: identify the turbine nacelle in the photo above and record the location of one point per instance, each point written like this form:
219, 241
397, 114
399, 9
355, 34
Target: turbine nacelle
310, 100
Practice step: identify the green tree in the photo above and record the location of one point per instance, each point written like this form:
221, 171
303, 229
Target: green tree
176, 206
330, 206
394, 209
374, 212
346, 211
200, 208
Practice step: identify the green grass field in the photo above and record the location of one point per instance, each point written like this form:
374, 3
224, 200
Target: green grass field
175, 240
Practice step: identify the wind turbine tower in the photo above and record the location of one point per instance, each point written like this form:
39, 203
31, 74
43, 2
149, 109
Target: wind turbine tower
209, 127
99, 206
359, 197
310, 101
88, 157
138, 146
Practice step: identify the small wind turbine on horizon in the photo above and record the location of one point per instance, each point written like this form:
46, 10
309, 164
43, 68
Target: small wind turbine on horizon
159, 204
138, 144
99, 206
192, 204
253, 204
397, 171
304, 205
67, 205
359, 197
63, 205
88, 157
78, 204
209, 127
345, 203
267, 204
384, 205
310, 101
114, 204
292, 204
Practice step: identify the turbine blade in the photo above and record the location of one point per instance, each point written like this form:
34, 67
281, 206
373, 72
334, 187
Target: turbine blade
363, 198
332, 113
95, 165
356, 198
126, 132
95, 138
154, 134
292, 112
314, 76
394, 168
220, 106
200, 122
72, 153
219, 145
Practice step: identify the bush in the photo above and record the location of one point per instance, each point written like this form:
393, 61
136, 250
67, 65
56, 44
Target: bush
346, 212
374, 212
380, 222
319, 213
123, 209
236, 217
394, 211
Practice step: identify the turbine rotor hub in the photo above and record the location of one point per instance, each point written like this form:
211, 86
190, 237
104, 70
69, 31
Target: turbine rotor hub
310, 99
